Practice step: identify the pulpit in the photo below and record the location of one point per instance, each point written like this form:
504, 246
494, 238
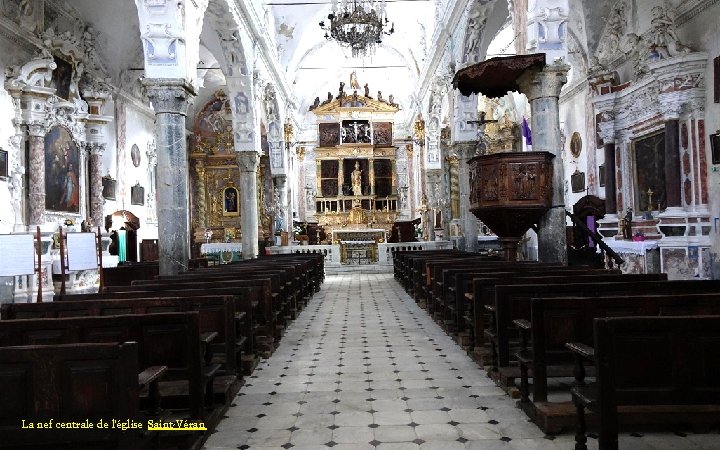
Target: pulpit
510, 192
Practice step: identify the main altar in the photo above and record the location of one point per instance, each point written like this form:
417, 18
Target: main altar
356, 199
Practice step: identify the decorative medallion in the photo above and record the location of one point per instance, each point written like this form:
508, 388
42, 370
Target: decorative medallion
135, 155
575, 144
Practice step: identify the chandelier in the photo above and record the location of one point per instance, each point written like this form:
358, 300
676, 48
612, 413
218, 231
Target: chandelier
358, 24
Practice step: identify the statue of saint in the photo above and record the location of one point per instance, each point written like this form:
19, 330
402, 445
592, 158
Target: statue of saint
354, 81
356, 179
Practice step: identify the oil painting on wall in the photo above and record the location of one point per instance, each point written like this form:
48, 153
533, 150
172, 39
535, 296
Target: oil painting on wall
62, 171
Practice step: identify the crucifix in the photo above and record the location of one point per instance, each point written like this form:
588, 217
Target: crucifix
481, 132
649, 201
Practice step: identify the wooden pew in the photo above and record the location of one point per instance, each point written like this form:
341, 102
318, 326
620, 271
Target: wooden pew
479, 311
71, 383
217, 315
165, 339
451, 299
257, 294
512, 302
556, 321
661, 369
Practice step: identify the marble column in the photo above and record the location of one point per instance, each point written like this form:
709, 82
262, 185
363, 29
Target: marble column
469, 222
542, 88
281, 186
672, 164
610, 184
453, 161
248, 163
96, 187
200, 194
36, 175
170, 99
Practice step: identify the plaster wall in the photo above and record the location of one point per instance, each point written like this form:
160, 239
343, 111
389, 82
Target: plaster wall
140, 131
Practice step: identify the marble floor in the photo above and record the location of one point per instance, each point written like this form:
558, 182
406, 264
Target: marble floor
363, 367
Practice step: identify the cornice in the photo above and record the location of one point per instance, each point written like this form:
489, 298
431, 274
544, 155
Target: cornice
688, 10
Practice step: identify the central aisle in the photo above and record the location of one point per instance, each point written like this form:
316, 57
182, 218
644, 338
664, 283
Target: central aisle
364, 367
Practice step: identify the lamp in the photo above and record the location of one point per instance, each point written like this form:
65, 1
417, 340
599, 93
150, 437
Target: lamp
358, 24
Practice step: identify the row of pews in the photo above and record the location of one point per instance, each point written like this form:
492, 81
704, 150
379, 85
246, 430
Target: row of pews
152, 362
579, 345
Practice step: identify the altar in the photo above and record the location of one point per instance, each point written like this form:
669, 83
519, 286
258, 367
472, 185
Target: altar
369, 235
224, 251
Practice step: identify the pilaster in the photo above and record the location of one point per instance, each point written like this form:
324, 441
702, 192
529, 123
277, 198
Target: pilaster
36, 174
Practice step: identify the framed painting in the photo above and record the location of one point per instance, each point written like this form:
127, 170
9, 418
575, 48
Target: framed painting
577, 181
62, 171
230, 199
108, 184
3, 163
62, 78
714, 147
137, 195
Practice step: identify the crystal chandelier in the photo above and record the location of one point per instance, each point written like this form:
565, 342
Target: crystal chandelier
358, 24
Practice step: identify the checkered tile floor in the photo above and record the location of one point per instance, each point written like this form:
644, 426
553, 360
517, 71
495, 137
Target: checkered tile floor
363, 367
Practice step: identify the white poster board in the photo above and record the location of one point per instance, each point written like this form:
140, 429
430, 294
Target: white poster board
82, 251
18, 254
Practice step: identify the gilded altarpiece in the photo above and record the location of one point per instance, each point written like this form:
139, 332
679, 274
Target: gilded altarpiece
356, 168
214, 175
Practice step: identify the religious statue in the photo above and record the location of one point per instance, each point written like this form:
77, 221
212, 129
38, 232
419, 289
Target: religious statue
367, 91
315, 104
380, 96
664, 42
356, 179
341, 92
626, 224
353, 81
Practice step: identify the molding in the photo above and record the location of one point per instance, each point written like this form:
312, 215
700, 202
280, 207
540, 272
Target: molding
439, 42
688, 10
261, 36
19, 35
577, 88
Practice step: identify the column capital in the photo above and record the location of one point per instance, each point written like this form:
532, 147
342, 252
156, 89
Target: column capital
96, 148
606, 130
248, 161
543, 83
36, 129
169, 95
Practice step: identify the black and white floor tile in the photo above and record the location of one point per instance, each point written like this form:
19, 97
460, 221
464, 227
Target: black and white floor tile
364, 368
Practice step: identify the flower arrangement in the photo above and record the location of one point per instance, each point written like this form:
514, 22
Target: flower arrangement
638, 236
69, 222
297, 229
418, 230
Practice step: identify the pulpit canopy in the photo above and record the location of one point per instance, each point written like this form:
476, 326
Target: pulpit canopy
495, 77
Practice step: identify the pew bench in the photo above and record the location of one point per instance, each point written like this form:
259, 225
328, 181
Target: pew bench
653, 370
559, 320
73, 383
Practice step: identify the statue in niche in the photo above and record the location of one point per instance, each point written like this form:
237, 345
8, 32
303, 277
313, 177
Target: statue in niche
356, 179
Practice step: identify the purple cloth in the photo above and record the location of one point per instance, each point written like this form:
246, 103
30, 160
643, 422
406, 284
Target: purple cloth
526, 132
